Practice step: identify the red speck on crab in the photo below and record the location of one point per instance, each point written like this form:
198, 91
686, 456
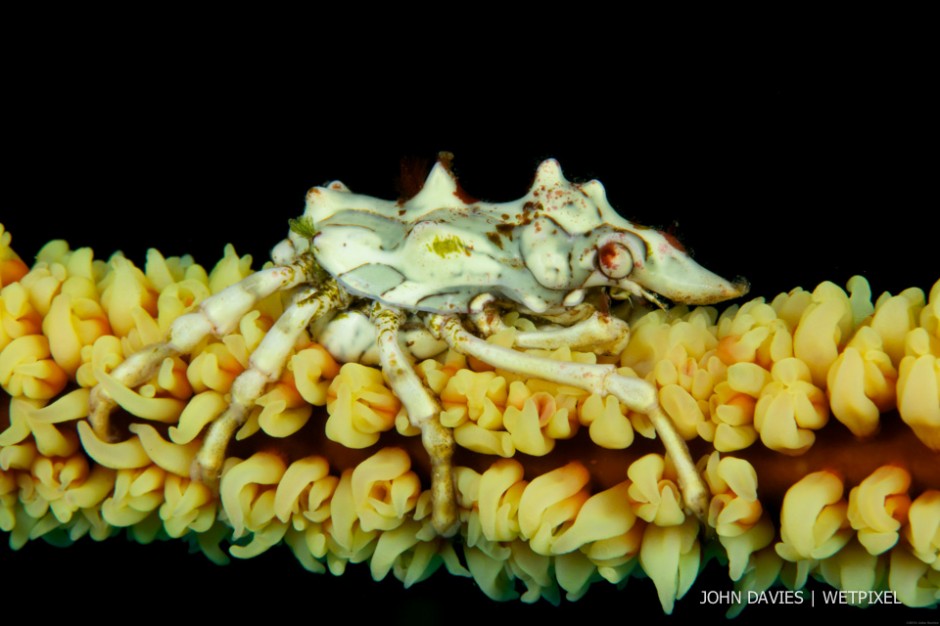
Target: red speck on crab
608, 255
672, 240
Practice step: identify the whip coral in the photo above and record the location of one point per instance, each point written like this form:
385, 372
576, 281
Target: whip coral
783, 403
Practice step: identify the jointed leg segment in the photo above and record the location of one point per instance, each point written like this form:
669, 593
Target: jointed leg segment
423, 412
216, 315
602, 334
219, 315
635, 393
265, 366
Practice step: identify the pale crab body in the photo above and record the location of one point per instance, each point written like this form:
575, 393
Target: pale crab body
436, 252
364, 272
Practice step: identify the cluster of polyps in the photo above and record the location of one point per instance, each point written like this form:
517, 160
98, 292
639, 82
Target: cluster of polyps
759, 383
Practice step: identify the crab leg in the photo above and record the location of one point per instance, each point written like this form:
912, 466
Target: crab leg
637, 394
218, 314
423, 412
602, 334
264, 366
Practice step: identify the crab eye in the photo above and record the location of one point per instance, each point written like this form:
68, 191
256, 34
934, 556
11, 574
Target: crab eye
614, 260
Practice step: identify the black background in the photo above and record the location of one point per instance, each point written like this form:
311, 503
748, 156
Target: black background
785, 172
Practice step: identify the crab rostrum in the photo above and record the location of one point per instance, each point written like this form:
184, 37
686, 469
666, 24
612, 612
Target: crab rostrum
454, 264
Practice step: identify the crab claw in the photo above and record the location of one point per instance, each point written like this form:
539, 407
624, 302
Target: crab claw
669, 271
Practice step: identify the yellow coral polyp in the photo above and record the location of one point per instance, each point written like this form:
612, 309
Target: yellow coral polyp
915, 583
549, 502
608, 426
18, 317
305, 490
656, 338
813, 521
248, 491
44, 281
894, 318
670, 556
878, 506
687, 413
603, 517
103, 355
923, 530
527, 426
172, 457
71, 324
919, 390
654, 493
361, 407
229, 270
214, 368
124, 292
384, 489
732, 407
145, 403
188, 506
401, 550
26, 369
128, 454
854, 568
38, 421
314, 368
823, 328
199, 412
498, 500
283, 409
861, 383
12, 267
754, 334
137, 493
734, 508
477, 396
473, 437
790, 408
68, 484
347, 541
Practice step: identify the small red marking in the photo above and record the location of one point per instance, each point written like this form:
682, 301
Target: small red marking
673, 241
609, 255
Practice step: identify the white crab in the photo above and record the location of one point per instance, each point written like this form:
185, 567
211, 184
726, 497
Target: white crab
553, 254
